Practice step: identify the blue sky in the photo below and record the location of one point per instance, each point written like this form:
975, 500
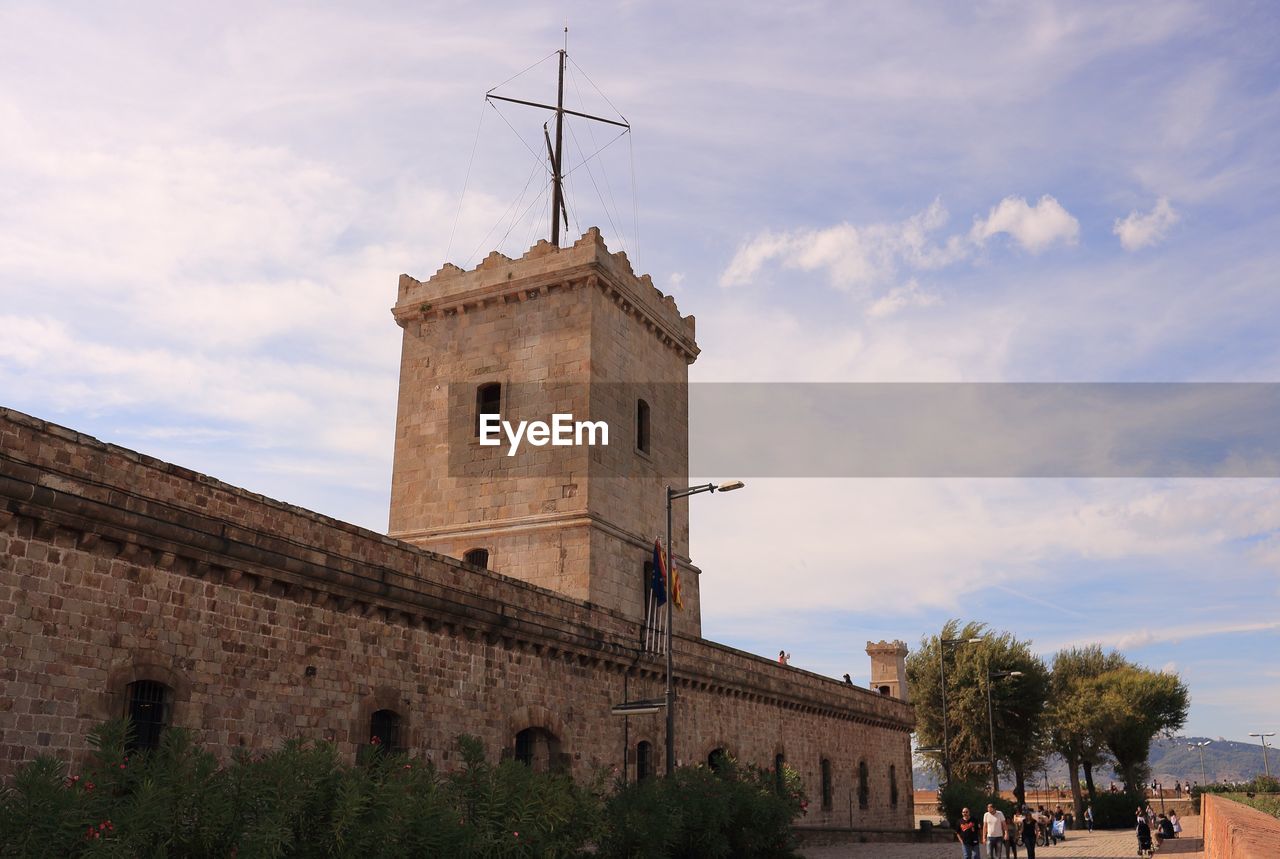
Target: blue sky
203, 213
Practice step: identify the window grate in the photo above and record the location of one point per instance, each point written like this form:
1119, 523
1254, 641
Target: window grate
150, 705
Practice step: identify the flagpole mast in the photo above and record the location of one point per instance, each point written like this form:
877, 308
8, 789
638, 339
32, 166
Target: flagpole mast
557, 193
671, 690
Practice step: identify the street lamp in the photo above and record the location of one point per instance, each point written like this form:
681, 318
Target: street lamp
672, 495
991, 724
1266, 765
943, 643
1204, 779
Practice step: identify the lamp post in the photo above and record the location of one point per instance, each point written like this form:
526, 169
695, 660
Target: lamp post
1266, 765
672, 495
943, 643
991, 724
1204, 779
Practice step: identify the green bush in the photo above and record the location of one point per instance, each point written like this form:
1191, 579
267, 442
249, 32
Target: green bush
1261, 784
303, 801
960, 795
736, 811
1117, 810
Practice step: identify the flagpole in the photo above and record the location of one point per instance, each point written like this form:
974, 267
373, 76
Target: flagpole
671, 690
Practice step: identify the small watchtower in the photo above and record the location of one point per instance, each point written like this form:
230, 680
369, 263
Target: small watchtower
889, 668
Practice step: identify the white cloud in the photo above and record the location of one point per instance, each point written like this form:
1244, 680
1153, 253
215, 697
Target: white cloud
1035, 228
1137, 231
907, 295
853, 257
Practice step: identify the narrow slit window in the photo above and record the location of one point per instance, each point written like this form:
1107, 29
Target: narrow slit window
642, 426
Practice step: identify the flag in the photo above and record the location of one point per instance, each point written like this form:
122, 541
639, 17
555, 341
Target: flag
677, 596
659, 574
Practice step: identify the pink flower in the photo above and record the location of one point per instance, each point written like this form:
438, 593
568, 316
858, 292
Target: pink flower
516, 834
121, 766
88, 785
375, 740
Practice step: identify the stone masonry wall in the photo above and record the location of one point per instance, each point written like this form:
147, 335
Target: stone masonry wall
116, 567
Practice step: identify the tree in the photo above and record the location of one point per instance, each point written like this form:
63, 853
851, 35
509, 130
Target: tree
1017, 702
1076, 718
1141, 704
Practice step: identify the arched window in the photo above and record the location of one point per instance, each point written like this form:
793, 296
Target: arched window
864, 789
826, 785
149, 706
384, 731
718, 760
893, 786
642, 426
644, 760
488, 401
477, 558
779, 761
538, 749
884, 690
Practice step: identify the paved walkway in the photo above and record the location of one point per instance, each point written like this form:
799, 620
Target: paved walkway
1112, 844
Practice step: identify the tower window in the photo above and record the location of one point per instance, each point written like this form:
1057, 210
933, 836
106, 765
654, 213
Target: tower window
488, 401
477, 558
642, 426
150, 709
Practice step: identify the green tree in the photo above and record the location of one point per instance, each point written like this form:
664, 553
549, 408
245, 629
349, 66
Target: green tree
1075, 717
1017, 709
1141, 704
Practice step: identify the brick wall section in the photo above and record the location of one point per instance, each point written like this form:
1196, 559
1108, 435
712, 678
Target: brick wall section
115, 566
1236, 831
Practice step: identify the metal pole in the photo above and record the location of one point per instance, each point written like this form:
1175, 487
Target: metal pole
1204, 779
946, 738
1266, 764
991, 728
557, 195
671, 689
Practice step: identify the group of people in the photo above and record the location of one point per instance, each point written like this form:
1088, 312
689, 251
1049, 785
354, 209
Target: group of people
1155, 827
1002, 836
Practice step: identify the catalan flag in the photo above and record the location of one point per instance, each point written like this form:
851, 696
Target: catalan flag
661, 567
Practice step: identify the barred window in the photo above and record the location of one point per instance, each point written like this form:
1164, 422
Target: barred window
644, 760
864, 789
779, 761
150, 710
384, 730
477, 558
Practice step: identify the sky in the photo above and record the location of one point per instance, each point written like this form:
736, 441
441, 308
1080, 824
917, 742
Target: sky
204, 210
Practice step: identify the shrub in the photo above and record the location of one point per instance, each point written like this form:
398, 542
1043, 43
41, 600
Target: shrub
1116, 810
960, 795
302, 800
737, 811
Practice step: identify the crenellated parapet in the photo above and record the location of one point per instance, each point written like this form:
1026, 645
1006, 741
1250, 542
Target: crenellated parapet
545, 270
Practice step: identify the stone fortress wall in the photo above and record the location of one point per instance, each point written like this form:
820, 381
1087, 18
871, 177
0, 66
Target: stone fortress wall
270, 622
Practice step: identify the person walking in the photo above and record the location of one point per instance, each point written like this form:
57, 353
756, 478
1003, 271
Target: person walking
993, 826
1175, 823
969, 835
1012, 833
1028, 831
1088, 817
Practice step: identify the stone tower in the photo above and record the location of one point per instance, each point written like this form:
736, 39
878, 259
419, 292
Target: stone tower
560, 330
889, 668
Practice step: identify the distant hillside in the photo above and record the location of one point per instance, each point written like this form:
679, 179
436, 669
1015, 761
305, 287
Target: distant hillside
1224, 760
